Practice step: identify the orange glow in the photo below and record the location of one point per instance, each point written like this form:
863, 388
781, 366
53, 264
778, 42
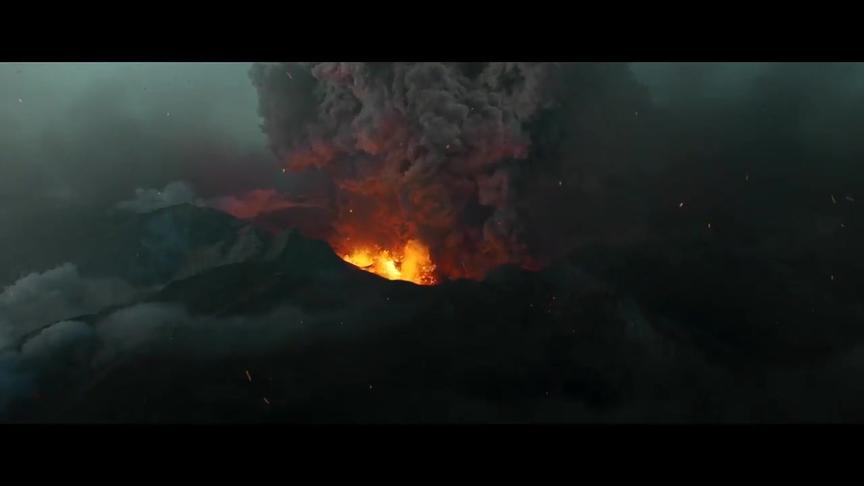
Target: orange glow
412, 263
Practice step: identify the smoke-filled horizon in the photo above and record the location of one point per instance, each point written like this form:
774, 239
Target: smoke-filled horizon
78, 130
509, 163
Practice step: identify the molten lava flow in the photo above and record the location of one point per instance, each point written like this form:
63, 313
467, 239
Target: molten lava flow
411, 263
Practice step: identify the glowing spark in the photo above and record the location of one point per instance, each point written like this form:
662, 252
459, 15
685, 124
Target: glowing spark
833, 200
248, 376
266, 401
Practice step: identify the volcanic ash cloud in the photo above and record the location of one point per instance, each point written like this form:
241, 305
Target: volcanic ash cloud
420, 151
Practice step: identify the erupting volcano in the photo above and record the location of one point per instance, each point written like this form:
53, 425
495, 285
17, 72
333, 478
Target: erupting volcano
422, 157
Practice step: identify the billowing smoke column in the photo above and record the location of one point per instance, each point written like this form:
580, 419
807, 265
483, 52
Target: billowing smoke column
483, 163
420, 151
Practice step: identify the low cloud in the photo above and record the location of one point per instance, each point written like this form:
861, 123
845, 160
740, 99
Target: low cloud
39, 299
69, 355
147, 200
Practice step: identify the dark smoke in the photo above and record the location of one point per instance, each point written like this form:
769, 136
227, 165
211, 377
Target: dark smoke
441, 151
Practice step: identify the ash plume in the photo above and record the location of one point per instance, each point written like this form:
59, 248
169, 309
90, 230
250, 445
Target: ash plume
434, 151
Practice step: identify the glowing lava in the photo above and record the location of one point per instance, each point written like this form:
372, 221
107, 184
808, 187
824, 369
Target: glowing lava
411, 263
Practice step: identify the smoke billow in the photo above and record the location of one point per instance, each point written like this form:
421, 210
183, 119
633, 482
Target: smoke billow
39, 299
147, 200
34, 346
432, 151
64, 358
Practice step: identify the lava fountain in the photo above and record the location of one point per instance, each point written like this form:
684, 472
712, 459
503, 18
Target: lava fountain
411, 263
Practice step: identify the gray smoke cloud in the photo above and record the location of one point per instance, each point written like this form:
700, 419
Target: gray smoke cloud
39, 299
147, 200
65, 357
32, 341
438, 151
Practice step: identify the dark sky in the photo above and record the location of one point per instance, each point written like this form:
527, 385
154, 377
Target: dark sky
67, 128
97, 130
